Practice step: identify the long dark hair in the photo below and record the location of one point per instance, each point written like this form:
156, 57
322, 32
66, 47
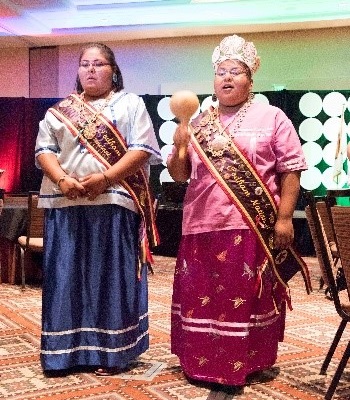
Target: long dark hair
117, 82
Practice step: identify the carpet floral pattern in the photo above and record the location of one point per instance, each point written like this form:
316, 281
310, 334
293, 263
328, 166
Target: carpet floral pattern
156, 375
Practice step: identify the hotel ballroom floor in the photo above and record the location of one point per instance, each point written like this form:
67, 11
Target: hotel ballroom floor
296, 376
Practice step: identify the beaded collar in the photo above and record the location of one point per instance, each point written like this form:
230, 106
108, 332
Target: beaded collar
218, 138
88, 126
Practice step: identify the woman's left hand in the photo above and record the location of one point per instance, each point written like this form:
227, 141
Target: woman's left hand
94, 184
284, 233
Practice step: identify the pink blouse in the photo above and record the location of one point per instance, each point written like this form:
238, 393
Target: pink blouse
269, 140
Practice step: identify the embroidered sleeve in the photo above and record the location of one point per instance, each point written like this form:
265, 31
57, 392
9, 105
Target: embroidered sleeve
142, 133
289, 153
46, 141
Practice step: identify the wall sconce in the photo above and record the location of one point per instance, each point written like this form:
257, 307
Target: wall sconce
278, 87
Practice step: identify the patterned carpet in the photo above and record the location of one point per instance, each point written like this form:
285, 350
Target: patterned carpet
310, 330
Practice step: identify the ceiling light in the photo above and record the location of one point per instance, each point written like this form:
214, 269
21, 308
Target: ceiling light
89, 3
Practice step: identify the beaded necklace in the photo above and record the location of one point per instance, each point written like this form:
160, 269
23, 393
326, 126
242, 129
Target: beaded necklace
88, 127
222, 140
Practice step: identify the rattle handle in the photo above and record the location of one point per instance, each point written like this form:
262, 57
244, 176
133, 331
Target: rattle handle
182, 153
183, 148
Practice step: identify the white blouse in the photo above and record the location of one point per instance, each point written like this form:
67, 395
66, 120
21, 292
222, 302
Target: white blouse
129, 114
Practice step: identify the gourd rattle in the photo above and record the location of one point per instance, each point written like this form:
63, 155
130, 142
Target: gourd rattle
183, 104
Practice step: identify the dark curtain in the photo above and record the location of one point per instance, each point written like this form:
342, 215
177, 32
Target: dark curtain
20, 117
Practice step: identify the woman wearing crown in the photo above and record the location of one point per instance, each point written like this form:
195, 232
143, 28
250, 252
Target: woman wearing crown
243, 163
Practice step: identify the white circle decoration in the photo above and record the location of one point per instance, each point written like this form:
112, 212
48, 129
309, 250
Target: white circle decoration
196, 113
166, 132
165, 176
310, 104
165, 151
260, 98
329, 153
207, 102
311, 179
310, 129
333, 104
163, 109
332, 127
328, 181
312, 152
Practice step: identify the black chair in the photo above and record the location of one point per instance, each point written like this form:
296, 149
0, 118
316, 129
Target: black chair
33, 240
341, 299
322, 212
341, 223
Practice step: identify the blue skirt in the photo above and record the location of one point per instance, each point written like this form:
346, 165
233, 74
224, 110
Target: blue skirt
95, 307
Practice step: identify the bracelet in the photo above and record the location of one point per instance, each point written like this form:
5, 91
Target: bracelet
108, 182
63, 177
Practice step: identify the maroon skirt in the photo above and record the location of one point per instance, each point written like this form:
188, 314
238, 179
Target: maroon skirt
228, 308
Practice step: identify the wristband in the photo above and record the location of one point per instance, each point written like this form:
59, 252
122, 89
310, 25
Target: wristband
63, 177
109, 183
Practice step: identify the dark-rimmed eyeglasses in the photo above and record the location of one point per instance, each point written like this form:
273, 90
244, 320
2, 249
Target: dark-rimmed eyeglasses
95, 64
233, 72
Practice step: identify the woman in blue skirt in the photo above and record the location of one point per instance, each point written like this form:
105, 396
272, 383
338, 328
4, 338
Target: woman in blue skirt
95, 148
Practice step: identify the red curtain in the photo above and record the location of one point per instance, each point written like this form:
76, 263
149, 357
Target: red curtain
11, 134
19, 122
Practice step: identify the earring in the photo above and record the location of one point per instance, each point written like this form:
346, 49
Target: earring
214, 98
115, 78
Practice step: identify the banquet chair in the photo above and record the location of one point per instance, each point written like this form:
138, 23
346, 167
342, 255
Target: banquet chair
321, 211
8, 230
341, 217
317, 245
323, 205
340, 299
16, 199
33, 240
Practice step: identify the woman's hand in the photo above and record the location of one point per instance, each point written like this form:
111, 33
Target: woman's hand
284, 230
71, 187
178, 162
94, 185
284, 233
182, 138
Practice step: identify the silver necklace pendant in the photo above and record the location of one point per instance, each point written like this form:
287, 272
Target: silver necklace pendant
219, 143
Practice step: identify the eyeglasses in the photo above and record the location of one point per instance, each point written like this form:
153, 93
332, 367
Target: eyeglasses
234, 72
95, 64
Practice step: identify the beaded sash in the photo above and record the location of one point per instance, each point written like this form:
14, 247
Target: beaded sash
108, 146
241, 183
